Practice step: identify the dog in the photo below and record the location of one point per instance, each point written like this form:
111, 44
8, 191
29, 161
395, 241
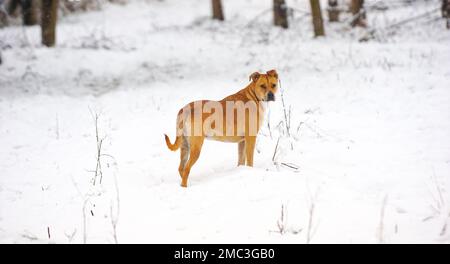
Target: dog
237, 118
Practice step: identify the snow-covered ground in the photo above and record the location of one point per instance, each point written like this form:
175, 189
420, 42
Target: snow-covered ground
369, 128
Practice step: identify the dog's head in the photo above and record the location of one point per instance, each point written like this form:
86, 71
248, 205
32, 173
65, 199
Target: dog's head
265, 85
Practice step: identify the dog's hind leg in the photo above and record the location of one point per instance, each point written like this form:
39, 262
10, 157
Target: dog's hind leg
195, 146
241, 153
184, 155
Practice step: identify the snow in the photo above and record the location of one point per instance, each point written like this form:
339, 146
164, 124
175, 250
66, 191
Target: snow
369, 129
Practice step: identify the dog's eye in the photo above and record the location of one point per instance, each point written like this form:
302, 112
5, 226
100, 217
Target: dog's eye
273, 85
264, 86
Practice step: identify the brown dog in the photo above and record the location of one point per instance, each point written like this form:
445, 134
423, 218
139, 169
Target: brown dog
236, 118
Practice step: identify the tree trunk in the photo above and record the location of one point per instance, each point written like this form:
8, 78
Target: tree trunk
12, 6
357, 9
446, 11
3, 18
444, 8
217, 10
317, 18
48, 22
29, 12
280, 13
333, 12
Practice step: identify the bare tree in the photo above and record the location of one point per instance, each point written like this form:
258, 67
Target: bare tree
359, 13
280, 13
3, 16
446, 11
317, 18
217, 10
48, 22
11, 6
29, 14
28, 8
333, 11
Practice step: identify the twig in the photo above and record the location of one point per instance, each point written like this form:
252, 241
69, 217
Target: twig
29, 235
311, 212
284, 110
291, 165
276, 150
305, 12
444, 228
438, 199
85, 221
289, 120
402, 22
71, 236
360, 15
381, 223
268, 124
281, 223
371, 34
310, 222
98, 169
99, 142
114, 224
257, 16
115, 219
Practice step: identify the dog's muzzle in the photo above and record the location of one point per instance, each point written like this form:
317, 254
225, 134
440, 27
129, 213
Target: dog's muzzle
270, 97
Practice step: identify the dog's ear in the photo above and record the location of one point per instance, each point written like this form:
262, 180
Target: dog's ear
254, 76
273, 73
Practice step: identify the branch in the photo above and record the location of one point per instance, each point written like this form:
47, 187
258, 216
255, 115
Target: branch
371, 33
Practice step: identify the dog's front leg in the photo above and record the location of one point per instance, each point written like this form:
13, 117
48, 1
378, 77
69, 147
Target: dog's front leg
250, 149
241, 153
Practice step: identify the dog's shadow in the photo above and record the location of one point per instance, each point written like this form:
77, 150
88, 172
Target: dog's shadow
213, 174
221, 172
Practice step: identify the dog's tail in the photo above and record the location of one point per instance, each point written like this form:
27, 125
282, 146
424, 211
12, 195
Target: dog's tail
175, 145
179, 128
